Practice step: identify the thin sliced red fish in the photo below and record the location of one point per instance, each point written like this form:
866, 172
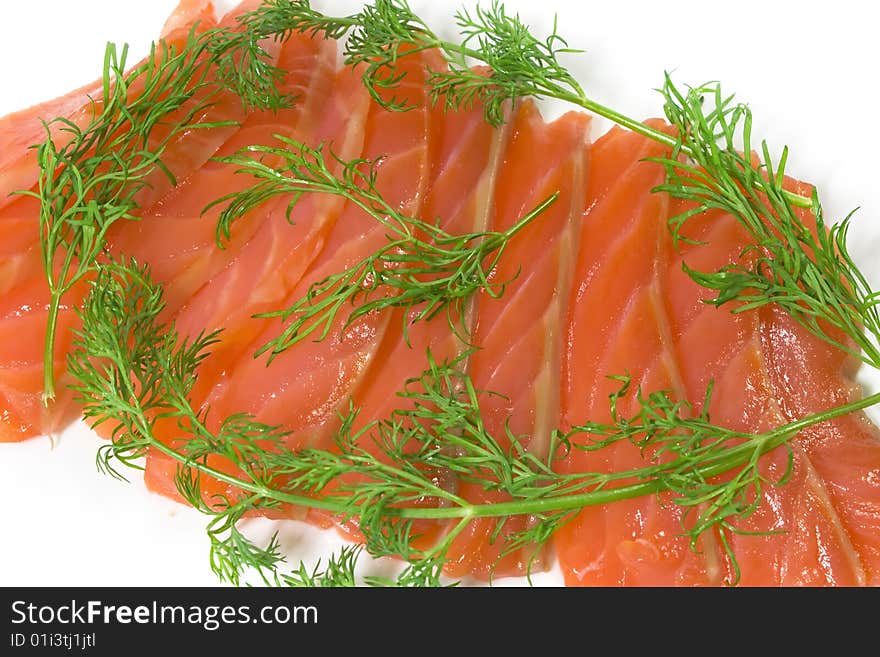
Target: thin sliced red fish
190, 264
187, 151
518, 335
594, 287
637, 311
304, 388
466, 158
617, 325
274, 260
812, 535
183, 154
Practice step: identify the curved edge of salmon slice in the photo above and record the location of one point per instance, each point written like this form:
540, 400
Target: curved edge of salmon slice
188, 13
796, 535
23, 317
464, 157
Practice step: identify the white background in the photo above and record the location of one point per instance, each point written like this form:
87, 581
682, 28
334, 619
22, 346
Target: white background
807, 69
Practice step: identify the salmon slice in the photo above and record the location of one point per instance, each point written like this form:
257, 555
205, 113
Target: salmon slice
19, 216
189, 150
464, 167
191, 265
21, 130
816, 538
23, 317
19, 235
192, 12
274, 260
844, 454
635, 310
518, 336
188, 263
183, 154
466, 155
304, 388
617, 325
21, 277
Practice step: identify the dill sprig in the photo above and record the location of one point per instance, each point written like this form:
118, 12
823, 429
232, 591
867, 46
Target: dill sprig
93, 180
339, 571
420, 267
134, 372
804, 268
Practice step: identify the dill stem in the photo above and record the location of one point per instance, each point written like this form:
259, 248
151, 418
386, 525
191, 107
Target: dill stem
326, 504
734, 457
49, 350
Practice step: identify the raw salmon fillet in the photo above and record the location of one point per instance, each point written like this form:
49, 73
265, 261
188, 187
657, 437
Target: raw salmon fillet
634, 310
